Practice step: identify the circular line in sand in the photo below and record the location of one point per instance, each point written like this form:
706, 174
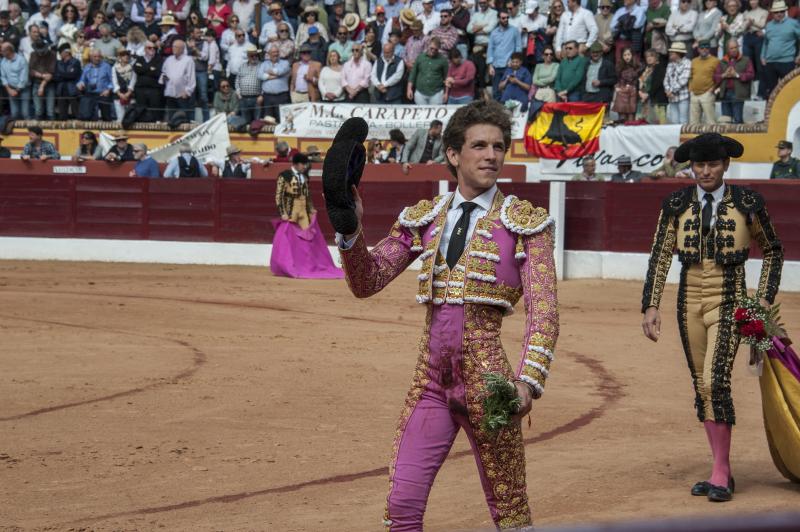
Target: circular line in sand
609, 388
198, 360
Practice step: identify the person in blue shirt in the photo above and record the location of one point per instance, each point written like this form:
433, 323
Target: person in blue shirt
14, 77
96, 86
779, 52
516, 82
146, 166
274, 75
503, 41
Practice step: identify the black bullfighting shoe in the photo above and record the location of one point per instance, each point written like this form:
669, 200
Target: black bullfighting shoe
701, 488
721, 493
341, 170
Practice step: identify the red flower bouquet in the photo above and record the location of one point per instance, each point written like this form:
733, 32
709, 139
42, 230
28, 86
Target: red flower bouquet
757, 324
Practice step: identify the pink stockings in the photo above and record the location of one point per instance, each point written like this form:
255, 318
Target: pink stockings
719, 438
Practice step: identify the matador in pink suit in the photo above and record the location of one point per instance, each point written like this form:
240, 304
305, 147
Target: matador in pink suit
480, 252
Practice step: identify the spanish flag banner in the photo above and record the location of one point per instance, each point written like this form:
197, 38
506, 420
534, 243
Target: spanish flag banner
565, 130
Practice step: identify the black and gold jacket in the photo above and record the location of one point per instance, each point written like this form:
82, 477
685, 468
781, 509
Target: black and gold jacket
741, 216
289, 187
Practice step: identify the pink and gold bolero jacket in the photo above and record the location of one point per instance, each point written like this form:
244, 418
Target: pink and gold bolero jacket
509, 255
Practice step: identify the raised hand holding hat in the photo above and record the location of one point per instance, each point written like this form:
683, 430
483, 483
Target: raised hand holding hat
341, 171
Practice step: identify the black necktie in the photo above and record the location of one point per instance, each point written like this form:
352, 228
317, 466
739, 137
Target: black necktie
459, 235
708, 210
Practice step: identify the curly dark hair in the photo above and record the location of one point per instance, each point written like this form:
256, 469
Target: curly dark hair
477, 112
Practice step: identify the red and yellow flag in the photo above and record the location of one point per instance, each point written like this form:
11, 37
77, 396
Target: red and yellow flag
565, 130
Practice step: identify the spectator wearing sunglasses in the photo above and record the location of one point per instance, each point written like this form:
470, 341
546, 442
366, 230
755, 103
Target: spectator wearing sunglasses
236, 55
148, 93
140, 7
145, 166
269, 31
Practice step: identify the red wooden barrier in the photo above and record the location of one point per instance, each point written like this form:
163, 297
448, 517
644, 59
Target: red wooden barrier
372, 172
623, 216
598, 216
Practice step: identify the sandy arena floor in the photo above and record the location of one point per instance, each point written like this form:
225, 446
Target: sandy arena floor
139, 397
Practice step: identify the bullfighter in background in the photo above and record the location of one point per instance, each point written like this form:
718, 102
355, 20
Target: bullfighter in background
298, 246
711, 224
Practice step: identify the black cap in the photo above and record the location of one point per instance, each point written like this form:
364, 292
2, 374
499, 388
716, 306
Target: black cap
300, 158
708, 147
118, 7
784, 145
5, 14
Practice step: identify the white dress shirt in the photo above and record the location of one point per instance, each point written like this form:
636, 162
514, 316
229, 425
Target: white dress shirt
578, 26
483, 202
718, 194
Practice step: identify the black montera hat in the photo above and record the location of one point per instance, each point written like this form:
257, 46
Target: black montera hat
708, 147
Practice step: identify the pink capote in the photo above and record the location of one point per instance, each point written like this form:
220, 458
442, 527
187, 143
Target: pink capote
301, 253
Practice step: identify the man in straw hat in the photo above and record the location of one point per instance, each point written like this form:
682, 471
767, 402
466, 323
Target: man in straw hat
676, 84
711, 224
343, 45
401, 24
169, 34
779, 53
121, 151
233, 166
354, 26
269, 31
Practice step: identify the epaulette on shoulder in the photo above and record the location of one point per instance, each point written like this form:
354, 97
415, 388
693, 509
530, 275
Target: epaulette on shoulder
746, 199
521, 217
678, 201
423, 212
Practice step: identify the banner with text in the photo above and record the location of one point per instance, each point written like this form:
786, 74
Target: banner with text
208, 141
322, 120
645, 145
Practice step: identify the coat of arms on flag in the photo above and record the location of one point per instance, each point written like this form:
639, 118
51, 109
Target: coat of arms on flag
565, 130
